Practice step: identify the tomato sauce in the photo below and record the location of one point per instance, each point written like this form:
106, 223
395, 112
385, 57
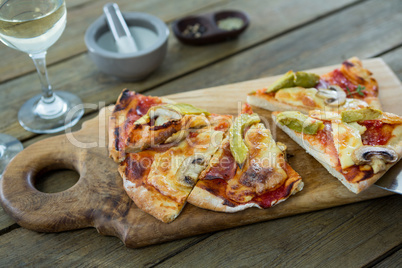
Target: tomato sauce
225, 169
377, 133
246, 109
138, 165
336, 77
325, 135
135, 113
146, 102
266, 200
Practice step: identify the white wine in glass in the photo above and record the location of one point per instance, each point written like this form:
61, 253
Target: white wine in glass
32, 26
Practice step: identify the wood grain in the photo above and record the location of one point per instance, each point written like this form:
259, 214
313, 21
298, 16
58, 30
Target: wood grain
80, 248
98, 198
330, 40
325, 239
392, 261
71, 43
80, 76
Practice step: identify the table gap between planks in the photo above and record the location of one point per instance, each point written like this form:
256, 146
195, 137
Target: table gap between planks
282, 35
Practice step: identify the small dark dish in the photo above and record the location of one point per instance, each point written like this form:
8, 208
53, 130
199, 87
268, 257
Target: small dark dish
203, 29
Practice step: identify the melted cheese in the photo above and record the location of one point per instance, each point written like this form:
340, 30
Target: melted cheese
396, 140
299, 96
354, 104
173, 172
358, 127
347, 139
262, 171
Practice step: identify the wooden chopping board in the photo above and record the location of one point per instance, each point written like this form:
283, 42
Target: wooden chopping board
99, 200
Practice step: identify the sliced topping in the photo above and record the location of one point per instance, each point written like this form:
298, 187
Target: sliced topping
189, 170
299, 122
333, 96
306, 80
375, 156
164, 113
237, 146
184, 108
324, 115
178, 136
360, 115
346, 140
378, 133
287, 80
299, 96
291, 79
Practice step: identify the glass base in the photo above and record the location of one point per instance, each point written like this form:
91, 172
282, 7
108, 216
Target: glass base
38, 115
9, 147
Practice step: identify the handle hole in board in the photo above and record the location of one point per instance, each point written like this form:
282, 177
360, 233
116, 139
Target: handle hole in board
57, 180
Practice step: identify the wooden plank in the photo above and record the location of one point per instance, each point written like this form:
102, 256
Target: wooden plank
85, 80
15, 63
349, 236
329, 41
84, 247
291, 241
392, 261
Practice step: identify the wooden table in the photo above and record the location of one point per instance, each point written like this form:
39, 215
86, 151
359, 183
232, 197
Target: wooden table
283, 35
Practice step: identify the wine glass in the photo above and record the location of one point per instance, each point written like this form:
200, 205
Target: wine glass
32, 26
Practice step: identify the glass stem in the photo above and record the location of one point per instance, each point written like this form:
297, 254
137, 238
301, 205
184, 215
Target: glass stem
39, 60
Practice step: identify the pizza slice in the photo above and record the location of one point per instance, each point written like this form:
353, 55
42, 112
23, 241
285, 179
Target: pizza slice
355, 146
160, 179
349, 87
130, 107
139, 122
249, 169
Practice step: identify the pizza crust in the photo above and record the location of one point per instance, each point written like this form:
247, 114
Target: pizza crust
116, 155
152, 202
202, 198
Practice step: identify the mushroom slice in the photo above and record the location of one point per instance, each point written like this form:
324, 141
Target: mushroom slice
163, 114
375, 156
334, 96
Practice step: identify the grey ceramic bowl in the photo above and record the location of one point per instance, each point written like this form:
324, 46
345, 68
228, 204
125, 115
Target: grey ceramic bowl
131, 66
